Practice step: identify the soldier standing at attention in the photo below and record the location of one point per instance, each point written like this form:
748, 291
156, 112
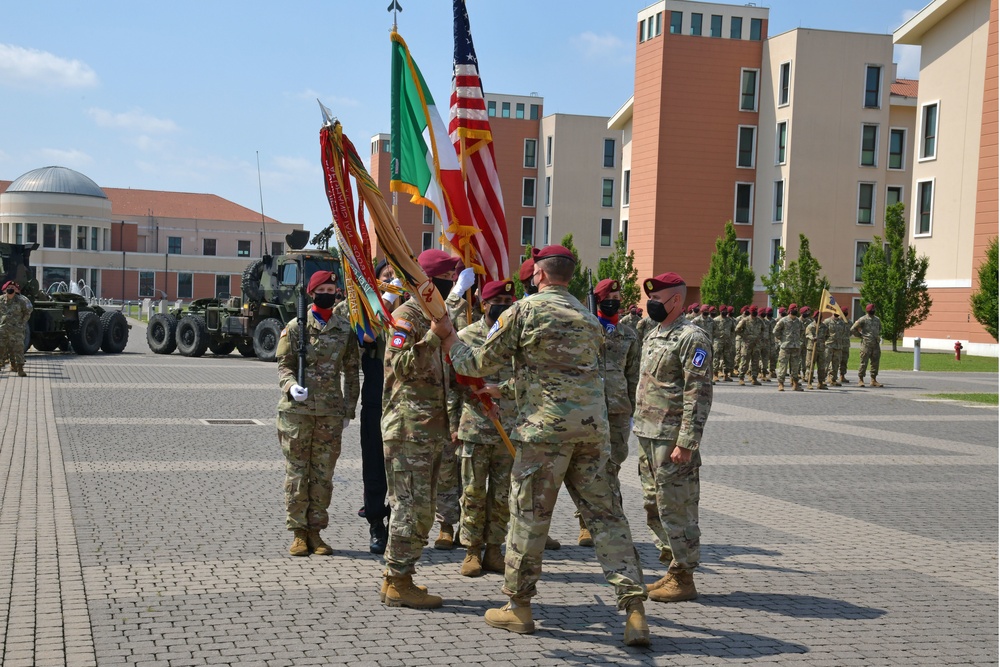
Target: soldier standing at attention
869, 328
845, 345
632, 317
674, 399
750, 330
804, 315
772, 344
834, 349
561, 435
816, 334
311, 420
15, 311
790, 334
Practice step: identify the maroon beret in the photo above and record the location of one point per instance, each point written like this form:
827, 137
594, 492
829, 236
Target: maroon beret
753, 310
9, 283
552, 251
805, 310
497, 288
730, 309
793, 306
782, 311
321, 278
606, 287
870, 308
435, 262
662, 281
527, 268
744, 310
705, 309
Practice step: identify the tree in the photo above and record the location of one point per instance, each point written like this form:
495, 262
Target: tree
620, 266
515, 278
984, 300
729, 279
578, 286
894, 278
800, 282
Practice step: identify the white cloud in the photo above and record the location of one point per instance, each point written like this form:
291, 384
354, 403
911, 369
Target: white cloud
598, 47
135, 119
33, 68
65, 158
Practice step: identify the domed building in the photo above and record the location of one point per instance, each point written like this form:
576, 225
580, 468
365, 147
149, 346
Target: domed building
124, 243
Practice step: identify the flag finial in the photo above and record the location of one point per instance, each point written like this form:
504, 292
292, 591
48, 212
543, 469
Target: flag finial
395, 8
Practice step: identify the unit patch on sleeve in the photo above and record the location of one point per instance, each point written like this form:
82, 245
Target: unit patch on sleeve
398, 340
699, 357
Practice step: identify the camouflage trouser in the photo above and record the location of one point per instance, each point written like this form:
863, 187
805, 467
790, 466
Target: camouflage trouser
803, 357
834, 360
670, 494
869, 353
751, 359
719, 356
449, 485
730, 355
774, 357
311, 446
817, 360
485, 493
411, 471
620, 428
843, 360
12, 346
739, 347
765, 356
539, 470
788, 362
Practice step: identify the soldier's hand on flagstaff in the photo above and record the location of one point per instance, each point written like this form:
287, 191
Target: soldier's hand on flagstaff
494, 412
490, 390
442, 327
298, 393
466, 279
680, 456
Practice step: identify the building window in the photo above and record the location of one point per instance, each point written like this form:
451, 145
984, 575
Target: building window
428, 215
779, 202
243, 248
548, 151
626, 186
784, 83
869, 145
606, 227
545, 231
548, 190
530, 147
277, 247
94, 232
31, 233
609, 152
736, 27
649, 27
55, 274
642, 31
18, 233
386, 146
893, 195
81, 237
676, 18
746, 148
696, 24
426, 241
659, 24
527, 231
866, 203
873, 86
533, 111
607, 192
748, 90
65, 236
147, 283
491, 108
222, 286
519, 111
928, 131
860, 248
174, 245
775, 251
781, 142
625, 231
897, 144
528, 192
185, 285
505, 110
925, 202
716, 27
744, 204
756, 27
208, 246
743, 245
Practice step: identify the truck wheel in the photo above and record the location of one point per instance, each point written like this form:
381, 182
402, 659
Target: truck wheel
245, 347
222, 347
250, 282
45, 344
192, 336
115, 328
86, 338
161, 334
265, 338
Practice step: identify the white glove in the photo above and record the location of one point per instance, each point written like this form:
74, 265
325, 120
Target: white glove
466, 279
390, 297
298, 393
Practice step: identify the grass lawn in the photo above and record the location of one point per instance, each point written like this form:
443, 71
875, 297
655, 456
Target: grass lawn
986, 399
929, 361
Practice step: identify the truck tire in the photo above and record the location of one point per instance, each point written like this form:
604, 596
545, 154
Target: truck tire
250, 283
222, 347
192, 336
265, 338
115, 328
161, 334
45, 344
245, 347
86, 338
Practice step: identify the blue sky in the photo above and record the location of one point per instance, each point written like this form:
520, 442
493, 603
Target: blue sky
185, 95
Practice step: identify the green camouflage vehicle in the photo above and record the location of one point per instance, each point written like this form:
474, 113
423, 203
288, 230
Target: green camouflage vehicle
61, 320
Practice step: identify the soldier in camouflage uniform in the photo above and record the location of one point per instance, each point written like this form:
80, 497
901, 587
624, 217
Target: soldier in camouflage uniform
561, 436
816, 333
673, 401
15, 311
805, 314
632, 317
723, 327
739, 345
311, 419
765, 343
752, 331
834, 349
846, 346
790, 334
869, 328
772, 341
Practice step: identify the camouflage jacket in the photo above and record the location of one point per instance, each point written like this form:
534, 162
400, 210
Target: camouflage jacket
724, 328
630, 319
417, 380
769, 329
331, 352
646, 324
789, 332
752, 330
14, 313
557, 348
835, 330
817, 332
675, 384
869, 328
474, 425
621, 369
739, 330
706, 324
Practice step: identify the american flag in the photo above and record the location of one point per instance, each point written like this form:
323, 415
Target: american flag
469, 130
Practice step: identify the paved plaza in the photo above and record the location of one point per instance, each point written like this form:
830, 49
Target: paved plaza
846, 527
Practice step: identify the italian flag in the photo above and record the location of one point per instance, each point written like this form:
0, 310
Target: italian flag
424, 163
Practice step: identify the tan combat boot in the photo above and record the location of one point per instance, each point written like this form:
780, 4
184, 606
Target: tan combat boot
509, 617
636, 628
797, 386
446, 537
401, 592
861, 382
742, 382
385, 585
551, 544
472, 566
300, 546
822, 385
843, 379
679, 586
493, 559
22, 374
781, 386
874, 382
316, 543
585, 539
755, 382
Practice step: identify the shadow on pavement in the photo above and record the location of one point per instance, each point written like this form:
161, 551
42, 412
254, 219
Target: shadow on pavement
796, 606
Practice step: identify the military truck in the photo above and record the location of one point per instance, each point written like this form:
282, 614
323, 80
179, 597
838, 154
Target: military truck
250, 324
61, 320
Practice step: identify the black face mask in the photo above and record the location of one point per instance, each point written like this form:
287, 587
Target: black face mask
610, 306
656, 311
443, 286
530, 288
496, 310
325, 300
10, 290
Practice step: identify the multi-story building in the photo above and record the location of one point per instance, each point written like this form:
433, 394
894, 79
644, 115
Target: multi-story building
953, 199
124, 243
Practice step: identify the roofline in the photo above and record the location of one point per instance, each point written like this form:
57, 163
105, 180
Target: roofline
913, 30
621, 117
